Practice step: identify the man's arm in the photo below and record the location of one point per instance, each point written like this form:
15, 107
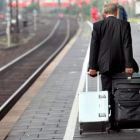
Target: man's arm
94, 49
127, 44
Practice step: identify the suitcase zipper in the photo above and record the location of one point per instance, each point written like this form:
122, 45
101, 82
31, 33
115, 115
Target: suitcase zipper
125, 105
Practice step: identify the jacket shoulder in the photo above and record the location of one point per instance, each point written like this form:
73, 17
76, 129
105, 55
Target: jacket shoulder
124, 22
98, 23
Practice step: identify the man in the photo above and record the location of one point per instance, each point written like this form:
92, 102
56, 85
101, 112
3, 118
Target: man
121, 11
111, 47
93, 12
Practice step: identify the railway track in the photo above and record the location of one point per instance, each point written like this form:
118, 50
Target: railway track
17, 76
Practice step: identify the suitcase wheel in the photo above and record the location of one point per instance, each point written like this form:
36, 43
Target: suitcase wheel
81, 131
108, 130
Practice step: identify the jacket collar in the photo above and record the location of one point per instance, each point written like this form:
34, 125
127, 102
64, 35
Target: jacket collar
111, 16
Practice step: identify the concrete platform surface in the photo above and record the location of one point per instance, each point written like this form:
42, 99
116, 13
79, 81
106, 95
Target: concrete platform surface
47, 115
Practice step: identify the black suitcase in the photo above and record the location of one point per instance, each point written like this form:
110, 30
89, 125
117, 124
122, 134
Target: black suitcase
126, 107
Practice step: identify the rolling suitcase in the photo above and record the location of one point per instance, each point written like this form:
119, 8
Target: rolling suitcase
126, 90
93, 110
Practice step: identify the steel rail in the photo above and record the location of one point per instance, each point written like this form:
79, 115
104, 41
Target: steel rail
31, 50
40, 69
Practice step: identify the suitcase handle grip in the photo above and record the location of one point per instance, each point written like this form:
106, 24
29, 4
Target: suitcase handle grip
98, 81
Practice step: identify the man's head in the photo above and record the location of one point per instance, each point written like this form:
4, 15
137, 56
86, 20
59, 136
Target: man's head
110, 9
116, 2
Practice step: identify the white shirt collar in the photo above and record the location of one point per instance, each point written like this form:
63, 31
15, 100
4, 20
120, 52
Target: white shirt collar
110, 16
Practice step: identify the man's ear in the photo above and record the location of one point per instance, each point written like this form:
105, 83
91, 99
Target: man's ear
116, 13
104, 14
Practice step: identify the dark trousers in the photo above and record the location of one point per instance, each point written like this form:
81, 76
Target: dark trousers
106, 79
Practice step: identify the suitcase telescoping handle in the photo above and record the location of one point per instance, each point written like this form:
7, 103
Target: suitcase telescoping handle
98, 81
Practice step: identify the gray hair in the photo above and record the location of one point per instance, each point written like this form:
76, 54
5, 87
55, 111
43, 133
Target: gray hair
110, 8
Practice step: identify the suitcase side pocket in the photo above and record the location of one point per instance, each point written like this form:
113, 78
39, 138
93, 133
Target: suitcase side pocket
127, 111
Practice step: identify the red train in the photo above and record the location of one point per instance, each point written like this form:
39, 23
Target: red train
43, 3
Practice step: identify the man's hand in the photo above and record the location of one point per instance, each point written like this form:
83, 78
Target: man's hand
92, 72
128, 70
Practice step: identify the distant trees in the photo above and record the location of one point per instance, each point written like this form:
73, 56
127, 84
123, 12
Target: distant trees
72, 10
33, 6
100, 5
86, 7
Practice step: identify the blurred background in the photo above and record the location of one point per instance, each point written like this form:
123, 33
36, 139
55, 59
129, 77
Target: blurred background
23, 9
27, 22
67, 7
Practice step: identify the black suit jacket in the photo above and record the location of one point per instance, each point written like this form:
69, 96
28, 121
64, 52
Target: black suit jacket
111, 46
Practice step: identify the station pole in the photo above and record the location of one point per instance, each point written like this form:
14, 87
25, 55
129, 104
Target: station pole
8, 34
21, 10
8, 29
35, 22
14, 21
59, 4
17, 21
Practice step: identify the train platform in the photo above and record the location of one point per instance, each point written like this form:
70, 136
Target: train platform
49, 108
46, 106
